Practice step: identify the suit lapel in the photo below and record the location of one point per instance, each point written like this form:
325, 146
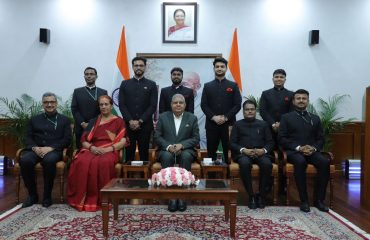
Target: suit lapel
171, 121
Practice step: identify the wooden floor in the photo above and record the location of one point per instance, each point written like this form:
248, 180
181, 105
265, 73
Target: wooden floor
346, 199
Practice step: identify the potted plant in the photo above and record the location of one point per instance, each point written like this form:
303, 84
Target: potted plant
18, 112
328, 113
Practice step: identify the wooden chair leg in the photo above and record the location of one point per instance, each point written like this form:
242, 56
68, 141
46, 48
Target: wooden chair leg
62, 188
287, 190
275, 190
18, 185
331, 192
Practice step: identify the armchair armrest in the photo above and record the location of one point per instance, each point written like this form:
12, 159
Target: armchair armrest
18, 155
153, 156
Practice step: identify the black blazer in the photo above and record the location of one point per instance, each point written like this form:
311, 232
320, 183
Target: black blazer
297, 130
83, 106
274, 103
138, 100
43, 133
250, 134
220, 98
167, 94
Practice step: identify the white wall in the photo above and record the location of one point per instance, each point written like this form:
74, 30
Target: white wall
271, 33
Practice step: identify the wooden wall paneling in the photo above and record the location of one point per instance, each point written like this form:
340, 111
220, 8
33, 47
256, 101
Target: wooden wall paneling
365, 176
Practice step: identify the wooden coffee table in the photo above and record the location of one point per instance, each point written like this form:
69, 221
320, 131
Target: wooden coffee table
212, 189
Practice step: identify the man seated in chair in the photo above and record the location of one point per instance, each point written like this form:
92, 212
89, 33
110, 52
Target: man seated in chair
47, 135
251, 142
301, 136
177, 135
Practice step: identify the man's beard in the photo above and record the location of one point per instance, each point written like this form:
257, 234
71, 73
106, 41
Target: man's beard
139, 74
220, 74
176, 81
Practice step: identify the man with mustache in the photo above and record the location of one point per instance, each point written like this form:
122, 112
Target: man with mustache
177, 88
137, 103
48, 133
221, 101
301, 136
84, 104
250, 142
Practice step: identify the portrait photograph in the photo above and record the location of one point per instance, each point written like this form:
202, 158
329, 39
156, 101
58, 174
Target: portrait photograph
179, 23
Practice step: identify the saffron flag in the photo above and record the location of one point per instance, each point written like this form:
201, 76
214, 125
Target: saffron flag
122, 59
234, 65
123, 71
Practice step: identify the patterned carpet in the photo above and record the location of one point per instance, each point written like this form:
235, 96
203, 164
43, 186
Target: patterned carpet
155, 222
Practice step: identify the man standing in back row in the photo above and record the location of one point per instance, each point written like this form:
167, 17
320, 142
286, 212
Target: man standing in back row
168, 92
221, 101
137, 102
276, 101
84, 104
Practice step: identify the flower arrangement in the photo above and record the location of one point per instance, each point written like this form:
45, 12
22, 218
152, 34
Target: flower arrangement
173, 176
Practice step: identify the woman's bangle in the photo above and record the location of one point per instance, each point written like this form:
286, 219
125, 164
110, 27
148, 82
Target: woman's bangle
90, 147
114, 149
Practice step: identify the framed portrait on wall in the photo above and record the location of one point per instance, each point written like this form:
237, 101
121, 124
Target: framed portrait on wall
179, 24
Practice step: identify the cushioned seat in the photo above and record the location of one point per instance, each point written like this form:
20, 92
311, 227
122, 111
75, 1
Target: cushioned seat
311, 172
156, 166
60, 172
235, 174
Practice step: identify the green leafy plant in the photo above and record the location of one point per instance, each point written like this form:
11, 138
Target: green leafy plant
18, 112
65, 108
328, 113
254, 99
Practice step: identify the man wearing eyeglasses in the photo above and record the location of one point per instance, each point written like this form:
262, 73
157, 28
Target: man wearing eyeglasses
84, 104
137, 102
47, 135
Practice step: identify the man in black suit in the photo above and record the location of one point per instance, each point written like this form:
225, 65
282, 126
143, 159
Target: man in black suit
177, 87
301, 136
251, 142
276, 101
220, 103
84, 104
177, 135
47, 135
137, 102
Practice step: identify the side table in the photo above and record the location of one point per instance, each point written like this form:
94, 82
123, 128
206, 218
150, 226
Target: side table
218, 169
128, 168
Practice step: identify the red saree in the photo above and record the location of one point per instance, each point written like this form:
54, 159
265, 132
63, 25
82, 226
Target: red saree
88, 172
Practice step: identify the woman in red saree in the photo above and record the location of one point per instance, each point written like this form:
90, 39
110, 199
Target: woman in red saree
93, 166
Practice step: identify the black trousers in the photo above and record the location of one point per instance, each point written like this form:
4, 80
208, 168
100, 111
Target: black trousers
78, 134
184, 159
28, 161
265, 165
214, 136
142, 138
322, 166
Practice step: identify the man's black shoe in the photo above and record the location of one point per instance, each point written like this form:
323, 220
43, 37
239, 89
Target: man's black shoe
261, 202
47, 202
30, 201
321, 206
181, 205
252, 202
172, 205
305, 207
